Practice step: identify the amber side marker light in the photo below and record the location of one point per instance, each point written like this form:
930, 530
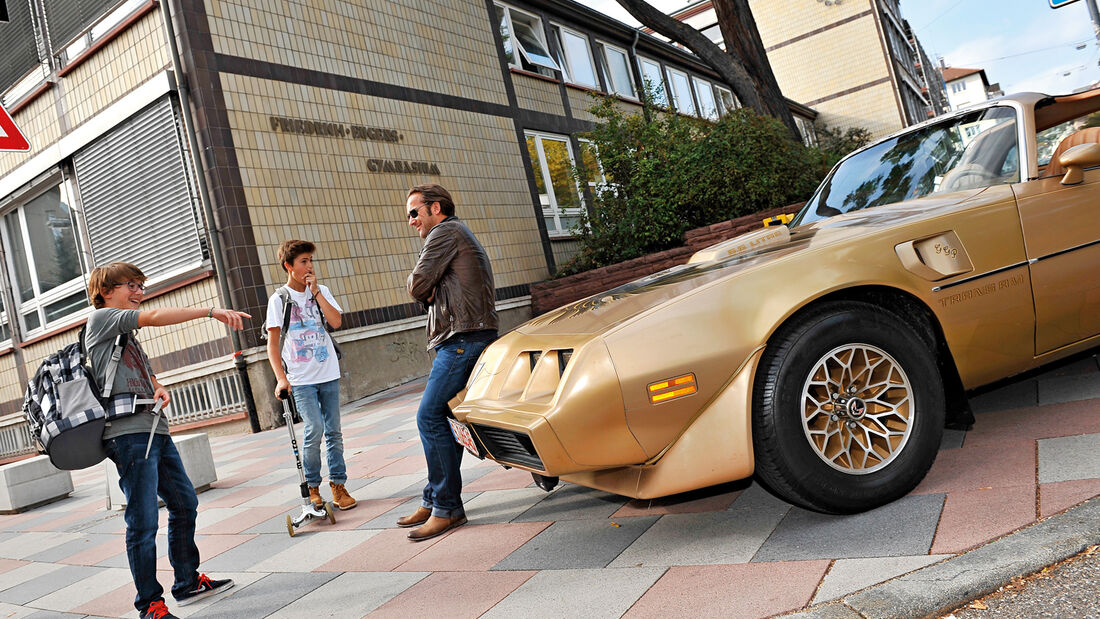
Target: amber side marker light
672, 388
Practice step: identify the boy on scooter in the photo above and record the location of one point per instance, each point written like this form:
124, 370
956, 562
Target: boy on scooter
312, 368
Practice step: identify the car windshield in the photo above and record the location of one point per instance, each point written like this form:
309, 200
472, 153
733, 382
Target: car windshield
974, 150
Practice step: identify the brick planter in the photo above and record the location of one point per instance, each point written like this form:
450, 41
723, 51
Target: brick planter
554, 293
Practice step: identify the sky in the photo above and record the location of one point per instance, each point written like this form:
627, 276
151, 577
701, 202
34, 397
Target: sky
1022, 44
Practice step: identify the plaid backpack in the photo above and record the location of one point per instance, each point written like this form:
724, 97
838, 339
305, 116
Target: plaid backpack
66, 409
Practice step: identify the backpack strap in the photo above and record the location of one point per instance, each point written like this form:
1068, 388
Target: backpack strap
284, 296
112, 365
328, 331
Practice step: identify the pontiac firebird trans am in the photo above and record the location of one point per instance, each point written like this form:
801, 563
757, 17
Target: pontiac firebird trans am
826, 356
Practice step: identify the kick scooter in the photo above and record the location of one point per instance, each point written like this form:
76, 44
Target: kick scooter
309, 511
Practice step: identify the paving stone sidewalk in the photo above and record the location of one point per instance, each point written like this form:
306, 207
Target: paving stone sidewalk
732, 550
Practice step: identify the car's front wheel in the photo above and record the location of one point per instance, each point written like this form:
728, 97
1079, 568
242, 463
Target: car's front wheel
848, 409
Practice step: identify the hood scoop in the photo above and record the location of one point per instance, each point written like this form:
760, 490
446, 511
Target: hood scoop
744, 244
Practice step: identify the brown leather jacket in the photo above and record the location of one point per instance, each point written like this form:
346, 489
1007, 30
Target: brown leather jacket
454, 280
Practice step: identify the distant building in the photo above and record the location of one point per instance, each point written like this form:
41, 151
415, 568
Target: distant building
856, 62
968, 86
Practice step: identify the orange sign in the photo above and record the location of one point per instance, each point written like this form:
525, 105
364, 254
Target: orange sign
10, 136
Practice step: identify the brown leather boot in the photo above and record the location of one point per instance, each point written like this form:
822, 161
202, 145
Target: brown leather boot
315, 497
436, 526
340, 496
415, 519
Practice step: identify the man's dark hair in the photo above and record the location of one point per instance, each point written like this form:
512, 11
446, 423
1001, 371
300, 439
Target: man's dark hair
290, 250
435, 193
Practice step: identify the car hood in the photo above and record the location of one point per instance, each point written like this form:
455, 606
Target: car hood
606, 310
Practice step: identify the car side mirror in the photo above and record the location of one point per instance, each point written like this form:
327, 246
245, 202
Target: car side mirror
1076, 159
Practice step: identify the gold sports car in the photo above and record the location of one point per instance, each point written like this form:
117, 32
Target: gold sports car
826, 356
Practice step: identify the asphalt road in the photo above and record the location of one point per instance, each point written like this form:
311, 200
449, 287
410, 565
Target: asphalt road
1070, 589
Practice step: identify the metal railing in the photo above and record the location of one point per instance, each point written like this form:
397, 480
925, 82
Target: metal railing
206, 397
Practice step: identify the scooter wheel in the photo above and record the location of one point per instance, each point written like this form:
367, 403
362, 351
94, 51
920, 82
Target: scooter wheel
289, 525
331, 514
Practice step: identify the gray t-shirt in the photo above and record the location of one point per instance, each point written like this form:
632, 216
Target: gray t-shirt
134, 374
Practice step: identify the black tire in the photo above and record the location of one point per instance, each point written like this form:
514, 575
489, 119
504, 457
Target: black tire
807, 462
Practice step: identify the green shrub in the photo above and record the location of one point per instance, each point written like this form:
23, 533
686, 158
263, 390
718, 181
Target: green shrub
670, 173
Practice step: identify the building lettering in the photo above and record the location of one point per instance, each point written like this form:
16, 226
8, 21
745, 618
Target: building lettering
322, 128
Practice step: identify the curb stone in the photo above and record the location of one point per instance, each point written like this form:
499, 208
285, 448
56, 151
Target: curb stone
947, 585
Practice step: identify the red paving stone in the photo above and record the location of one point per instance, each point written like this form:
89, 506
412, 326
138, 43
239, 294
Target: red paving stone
1062, 495
235, 498
247, 519
97, 554
8, 521
465, 549
11, 564
454, 595
500, 479
234, 480
678, 504
373, 459
381, 553
1049, 421
744, 590
974, 517
364, 511
115, 603
401, 466
1006, 464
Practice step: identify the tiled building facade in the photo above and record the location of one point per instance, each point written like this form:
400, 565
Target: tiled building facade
856, 62
309, 123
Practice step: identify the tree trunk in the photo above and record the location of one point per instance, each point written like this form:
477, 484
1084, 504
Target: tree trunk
744, 65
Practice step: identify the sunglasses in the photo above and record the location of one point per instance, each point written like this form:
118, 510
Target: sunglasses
132, 285
414, 213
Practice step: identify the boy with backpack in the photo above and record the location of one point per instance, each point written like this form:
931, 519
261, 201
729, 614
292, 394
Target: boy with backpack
305, 359
148, 464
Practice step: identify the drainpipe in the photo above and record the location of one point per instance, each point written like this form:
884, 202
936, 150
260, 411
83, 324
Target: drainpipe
643, 95
208, 210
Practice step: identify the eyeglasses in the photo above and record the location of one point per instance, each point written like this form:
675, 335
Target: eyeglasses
132, 285
414, 213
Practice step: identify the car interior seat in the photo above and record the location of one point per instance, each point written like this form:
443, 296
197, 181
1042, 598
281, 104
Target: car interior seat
1081, 136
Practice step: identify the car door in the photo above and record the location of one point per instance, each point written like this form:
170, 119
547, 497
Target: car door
1061, 226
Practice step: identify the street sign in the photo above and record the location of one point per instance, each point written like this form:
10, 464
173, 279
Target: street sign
10, 136
1057, 4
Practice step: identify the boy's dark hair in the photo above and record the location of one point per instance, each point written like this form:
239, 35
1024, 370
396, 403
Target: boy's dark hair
290, 250
435, 193
105, 277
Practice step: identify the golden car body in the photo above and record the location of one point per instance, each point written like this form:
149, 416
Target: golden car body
823, 357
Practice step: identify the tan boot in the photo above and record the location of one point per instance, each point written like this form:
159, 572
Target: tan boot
315, 497
340, 496
436, 526
415, 519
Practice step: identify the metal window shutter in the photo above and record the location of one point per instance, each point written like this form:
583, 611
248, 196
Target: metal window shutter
18, 49
137, 201
67, 18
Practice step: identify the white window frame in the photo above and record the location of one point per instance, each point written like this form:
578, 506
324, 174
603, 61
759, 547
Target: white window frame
5, 342
628, 90
660, 74
704, 93
38, 303
682, 102
724, 109
570, 65
599, 181
537, 60
98, 30
550, 209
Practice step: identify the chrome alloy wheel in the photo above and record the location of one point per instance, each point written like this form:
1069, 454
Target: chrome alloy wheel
857, 408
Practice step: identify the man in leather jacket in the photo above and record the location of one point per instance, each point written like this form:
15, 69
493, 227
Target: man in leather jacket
454, 281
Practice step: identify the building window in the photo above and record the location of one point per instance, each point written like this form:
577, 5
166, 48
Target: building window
806, 129
958, 87
654, 80
44, 259
70, 34
559, 195
705, 95
619, 79
681, 92
5, 330
592, 174
576, 59
524, 42
21, 68
727, 101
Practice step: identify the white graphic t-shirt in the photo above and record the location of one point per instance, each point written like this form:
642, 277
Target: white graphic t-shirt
308, 352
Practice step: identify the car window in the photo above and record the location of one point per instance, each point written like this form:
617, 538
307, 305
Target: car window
1048, 139
974, 150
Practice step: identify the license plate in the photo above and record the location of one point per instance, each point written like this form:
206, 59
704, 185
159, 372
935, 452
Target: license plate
463, 436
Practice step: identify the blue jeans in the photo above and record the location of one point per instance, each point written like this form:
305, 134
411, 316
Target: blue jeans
454, 360
141, 481
319, 406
